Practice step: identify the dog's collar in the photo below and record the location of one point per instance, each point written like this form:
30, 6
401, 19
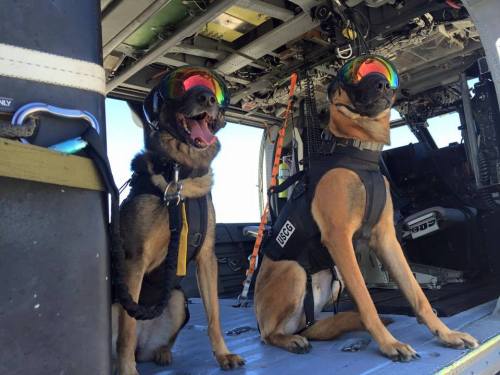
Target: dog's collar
361, 145
333, 141
167, 168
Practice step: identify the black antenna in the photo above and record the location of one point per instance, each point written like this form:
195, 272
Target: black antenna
311, 117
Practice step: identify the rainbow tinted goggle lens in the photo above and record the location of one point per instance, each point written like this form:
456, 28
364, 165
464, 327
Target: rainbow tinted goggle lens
182, 79
353, 71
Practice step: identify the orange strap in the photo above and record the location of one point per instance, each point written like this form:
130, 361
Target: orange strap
274, 174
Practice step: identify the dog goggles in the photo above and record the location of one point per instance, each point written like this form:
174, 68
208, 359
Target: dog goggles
353, 71
182, 79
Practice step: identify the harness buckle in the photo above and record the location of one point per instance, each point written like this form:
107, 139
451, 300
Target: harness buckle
177, 189
175, 196
358, 144
344, 52
196, 239
329, 142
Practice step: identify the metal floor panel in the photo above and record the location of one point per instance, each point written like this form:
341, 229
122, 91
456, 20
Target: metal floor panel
192, 354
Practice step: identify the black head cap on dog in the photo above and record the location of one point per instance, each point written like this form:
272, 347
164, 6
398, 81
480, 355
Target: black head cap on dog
189, 103
370, 82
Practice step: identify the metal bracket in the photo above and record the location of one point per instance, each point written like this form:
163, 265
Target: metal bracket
69, 146
30, 109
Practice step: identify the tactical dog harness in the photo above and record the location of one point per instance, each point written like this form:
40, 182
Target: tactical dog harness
296, 236
196, 211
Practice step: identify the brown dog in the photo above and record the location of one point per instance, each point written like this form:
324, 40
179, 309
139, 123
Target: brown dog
183, 134
338, 207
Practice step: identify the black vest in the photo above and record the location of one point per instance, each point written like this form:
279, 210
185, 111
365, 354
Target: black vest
296, 236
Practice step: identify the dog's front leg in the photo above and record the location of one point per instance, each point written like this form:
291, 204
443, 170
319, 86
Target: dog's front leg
127, 335
207, 284
338, 211
390, 253
340, 247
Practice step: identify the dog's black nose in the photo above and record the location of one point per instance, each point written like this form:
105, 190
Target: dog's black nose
372, 95
371, 88
206, 98
377, 83
382, 85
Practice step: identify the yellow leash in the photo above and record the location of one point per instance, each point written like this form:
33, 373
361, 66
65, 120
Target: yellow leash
183, 245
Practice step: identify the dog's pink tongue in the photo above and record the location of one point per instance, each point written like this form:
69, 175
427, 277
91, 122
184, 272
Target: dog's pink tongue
200, 131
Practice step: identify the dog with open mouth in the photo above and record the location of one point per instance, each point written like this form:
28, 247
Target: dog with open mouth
343, 203
168, 219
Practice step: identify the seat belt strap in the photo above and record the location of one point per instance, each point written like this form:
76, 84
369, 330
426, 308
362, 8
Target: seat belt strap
97, 152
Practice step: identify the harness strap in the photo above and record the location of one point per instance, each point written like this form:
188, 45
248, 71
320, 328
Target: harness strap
195, 225
273, 190
197, 214
379, 198
375, 200
285, 184
309, 298
183, 243
97, 152
309, 301
361, 145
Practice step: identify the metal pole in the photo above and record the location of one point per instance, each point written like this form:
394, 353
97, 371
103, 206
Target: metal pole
471, 130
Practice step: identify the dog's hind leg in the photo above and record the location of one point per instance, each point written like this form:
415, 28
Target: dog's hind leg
334, 326
171, 323
157, 336
207, 283
389, 251
279, 304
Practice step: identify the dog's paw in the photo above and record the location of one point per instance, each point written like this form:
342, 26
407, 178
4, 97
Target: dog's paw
163, 356
399, 352
298, 344
229, 361
457, 340
127, 369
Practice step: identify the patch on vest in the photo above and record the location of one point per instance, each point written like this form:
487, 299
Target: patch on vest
6, 104
285, 233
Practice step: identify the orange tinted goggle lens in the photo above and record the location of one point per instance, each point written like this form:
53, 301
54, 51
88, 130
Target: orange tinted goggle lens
181, 80
356, 69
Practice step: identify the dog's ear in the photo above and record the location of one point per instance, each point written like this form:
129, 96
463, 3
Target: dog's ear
333, 86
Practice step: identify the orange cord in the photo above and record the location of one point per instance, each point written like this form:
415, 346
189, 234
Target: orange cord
274, 175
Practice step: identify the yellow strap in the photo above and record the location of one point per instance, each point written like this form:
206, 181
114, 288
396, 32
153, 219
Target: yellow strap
33, 163
460, 366
183, 247
33, 65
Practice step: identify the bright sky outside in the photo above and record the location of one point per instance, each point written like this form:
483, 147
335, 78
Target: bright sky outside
235, 192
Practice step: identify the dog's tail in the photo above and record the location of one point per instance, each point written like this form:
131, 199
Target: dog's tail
334, 326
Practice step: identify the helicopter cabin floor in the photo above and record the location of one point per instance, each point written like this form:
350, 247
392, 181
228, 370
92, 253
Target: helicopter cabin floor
448, 300
192, 354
